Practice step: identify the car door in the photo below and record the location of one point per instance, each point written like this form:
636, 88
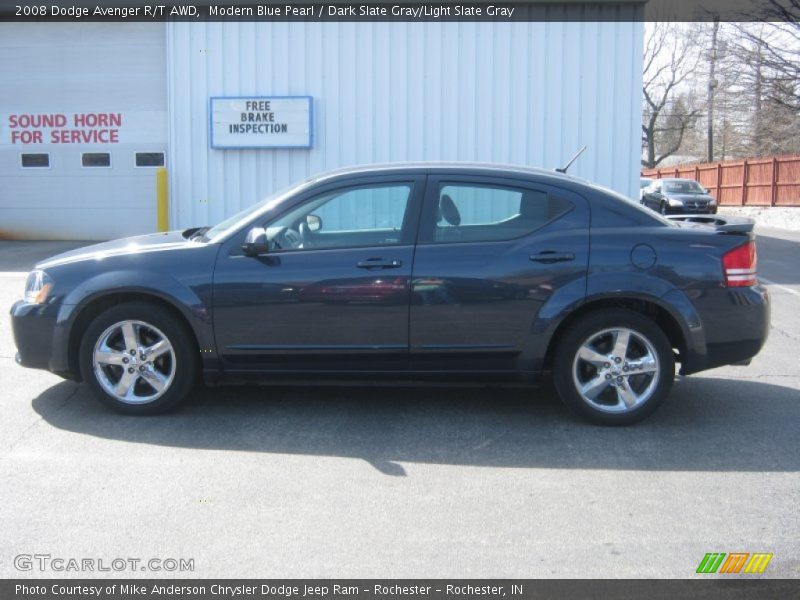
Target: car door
491, 254
336, 297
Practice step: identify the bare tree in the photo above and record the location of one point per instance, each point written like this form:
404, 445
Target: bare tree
669, 61
765, 57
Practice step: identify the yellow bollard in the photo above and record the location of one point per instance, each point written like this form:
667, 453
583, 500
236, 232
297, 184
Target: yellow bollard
162, 199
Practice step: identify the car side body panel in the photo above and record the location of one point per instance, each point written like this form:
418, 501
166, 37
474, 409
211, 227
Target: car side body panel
504, 312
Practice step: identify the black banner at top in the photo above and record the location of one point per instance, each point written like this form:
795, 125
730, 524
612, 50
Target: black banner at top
387, 11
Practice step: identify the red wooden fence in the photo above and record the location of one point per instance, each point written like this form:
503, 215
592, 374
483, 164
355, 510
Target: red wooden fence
766, 181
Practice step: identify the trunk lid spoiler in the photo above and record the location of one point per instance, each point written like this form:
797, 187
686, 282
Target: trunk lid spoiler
721, 223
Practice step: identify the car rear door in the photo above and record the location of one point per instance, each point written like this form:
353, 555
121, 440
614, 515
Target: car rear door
341, 301
491, 256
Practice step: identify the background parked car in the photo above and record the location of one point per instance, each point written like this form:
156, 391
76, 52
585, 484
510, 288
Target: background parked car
669, 196
644, 183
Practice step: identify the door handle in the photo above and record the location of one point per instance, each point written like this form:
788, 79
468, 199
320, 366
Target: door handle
379, 263
549, 256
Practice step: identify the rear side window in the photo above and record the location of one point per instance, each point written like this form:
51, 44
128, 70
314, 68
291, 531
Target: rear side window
482, 213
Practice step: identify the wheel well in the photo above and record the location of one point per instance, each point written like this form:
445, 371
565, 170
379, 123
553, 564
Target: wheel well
660, 316
98, 305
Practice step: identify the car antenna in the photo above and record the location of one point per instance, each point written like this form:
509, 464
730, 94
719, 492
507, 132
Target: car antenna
571, 160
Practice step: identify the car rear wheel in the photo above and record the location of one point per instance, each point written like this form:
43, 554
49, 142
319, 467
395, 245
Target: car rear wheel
614, 367
138, 359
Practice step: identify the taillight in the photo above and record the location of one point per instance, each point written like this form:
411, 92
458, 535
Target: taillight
740, 265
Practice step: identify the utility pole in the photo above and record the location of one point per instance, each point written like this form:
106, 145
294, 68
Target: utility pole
712, 84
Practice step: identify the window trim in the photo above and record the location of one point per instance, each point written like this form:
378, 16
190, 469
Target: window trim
161, 152
427, 225
49, 162
108, 166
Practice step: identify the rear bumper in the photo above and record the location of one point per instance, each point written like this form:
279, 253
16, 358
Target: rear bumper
735, 323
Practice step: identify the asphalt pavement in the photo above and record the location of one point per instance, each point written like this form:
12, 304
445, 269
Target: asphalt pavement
406, 482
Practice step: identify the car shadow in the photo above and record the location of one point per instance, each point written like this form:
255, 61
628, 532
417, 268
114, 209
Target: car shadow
707, 424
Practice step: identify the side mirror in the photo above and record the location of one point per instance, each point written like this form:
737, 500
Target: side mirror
255, 242
706, 190
313, 222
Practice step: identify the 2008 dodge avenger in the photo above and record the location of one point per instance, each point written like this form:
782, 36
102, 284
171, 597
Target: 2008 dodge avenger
456, 271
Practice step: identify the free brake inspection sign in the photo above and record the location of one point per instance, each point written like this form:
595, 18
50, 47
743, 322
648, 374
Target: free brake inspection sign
261, 122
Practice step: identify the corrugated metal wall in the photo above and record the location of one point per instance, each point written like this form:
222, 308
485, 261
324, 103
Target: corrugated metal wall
527, 93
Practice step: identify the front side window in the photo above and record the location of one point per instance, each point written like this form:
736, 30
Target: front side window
344, 218
479, 213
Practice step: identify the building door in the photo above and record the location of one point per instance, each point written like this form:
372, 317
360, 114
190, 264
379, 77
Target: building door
83, 127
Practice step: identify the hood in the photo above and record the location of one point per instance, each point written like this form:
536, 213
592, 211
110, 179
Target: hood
153, 242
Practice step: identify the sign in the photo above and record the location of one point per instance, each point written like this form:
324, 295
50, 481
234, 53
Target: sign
87, 127
261, 122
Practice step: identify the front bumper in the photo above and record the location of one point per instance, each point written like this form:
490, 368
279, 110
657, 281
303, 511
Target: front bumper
33, 326
684, 210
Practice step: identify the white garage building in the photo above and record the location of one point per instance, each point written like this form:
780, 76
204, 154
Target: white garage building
236, 110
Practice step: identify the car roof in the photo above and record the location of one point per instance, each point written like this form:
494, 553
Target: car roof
678, 179
449, 167
546, 176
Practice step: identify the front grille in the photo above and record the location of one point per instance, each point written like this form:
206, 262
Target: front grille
695, 205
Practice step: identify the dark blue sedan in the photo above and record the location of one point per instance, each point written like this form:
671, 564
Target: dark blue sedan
457, 271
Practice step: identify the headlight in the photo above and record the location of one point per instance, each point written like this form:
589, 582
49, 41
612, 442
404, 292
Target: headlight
37, 287
673, 202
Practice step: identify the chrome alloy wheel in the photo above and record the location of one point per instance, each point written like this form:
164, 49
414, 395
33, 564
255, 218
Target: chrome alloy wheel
134, 362
616, 370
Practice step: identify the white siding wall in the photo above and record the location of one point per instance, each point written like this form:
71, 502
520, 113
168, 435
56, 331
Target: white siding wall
527, 93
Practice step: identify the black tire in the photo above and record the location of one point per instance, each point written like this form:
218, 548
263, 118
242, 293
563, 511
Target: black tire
583, 330
185, 367
663, 208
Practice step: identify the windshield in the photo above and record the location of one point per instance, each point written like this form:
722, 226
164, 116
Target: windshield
683, 187
644, 183
238, 220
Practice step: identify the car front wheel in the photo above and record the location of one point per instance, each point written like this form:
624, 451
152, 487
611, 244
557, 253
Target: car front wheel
138, 358
614, 367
